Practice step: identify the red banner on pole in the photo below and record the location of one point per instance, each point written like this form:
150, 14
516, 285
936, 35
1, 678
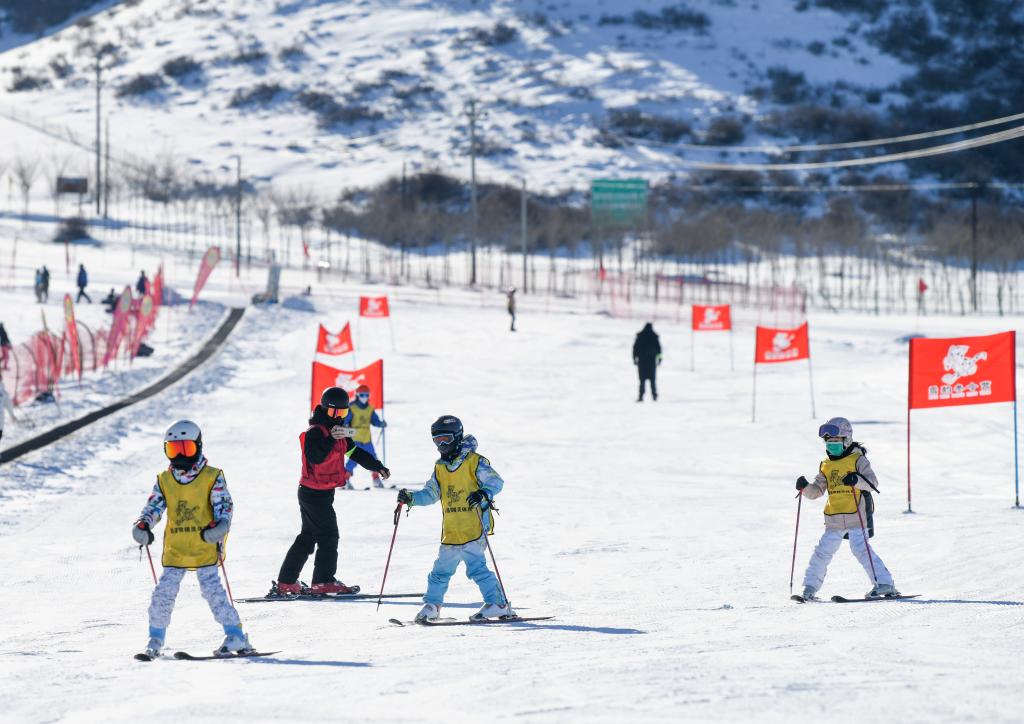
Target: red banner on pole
372, 376
72, 332
122, 313
782, 345
158, 289
373, 307
962, 370
210, 259
144, 317
711, 318
335, 344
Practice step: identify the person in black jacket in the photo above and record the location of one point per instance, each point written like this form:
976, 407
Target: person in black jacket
647, 357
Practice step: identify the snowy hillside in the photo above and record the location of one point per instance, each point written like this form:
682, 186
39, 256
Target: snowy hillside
337, 94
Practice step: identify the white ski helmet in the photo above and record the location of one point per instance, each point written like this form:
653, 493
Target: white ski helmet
183, 431
837, 427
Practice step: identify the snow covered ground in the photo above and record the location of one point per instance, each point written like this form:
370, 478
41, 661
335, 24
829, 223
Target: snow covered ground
659, 535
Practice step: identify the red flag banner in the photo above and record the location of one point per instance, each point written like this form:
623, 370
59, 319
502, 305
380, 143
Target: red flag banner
122, 313
72, 332
711, 318
158, 289
372, 376
373, 307
782, 345
210, 259
962, 370
335, 344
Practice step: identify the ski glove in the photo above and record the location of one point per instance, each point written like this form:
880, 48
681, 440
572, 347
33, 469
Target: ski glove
215, 532
142, 534
801, 483
850, 479
384, 472
478, 498
404, 496
383, 423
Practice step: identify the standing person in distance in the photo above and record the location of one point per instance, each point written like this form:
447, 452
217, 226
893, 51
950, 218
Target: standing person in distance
467, 483
845, 475
45, 277
511, 294
324, 445
37, 286
5, 407
195, 497
361, 415
142, 284
647, 357
82, 282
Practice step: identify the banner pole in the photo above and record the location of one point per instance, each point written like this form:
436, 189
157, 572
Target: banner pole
753, 406
810, 377
910, 382
1016, 456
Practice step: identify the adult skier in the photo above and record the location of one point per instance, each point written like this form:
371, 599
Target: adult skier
324, 445
195, 497
647, 357
361, 416
845, 475
511, 294
468, 484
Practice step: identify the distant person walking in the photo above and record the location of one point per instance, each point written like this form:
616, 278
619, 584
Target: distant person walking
46, 284
83, 282
5, 347
647, 357
511, 294
142, 285
37, 286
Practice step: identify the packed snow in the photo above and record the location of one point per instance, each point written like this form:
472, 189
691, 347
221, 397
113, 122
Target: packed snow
659, 535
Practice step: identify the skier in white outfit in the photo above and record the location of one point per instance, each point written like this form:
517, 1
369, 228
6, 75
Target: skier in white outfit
845, 475
195, 497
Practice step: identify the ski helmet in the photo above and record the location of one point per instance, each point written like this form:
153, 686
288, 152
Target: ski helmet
447, 434
363, 393
183, 444
334, 400
837, 427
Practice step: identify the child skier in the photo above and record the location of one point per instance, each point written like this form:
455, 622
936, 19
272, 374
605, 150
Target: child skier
846, 476
468, 484
324, 445
360, 416
195, 497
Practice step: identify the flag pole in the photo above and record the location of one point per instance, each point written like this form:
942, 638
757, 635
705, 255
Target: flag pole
1016, 456
910, 382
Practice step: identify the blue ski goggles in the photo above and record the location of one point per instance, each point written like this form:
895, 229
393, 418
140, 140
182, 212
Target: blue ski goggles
828, 430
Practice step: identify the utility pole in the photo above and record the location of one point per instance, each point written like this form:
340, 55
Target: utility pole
106, 172
238, 216
974, 247
98, 147
522, 219
474, 115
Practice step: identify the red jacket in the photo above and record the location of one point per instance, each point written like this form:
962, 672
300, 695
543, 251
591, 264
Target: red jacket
331, 472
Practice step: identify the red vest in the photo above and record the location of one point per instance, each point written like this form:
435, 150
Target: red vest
331, 472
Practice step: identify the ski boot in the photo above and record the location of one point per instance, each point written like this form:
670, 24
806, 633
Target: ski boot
235, 642
332, 587
808, 594
493, 610
283, 590
882, 590
377, 482
429, 612
156, 642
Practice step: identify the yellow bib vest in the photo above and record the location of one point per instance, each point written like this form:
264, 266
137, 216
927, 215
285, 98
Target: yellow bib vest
361, 422
842, 499
460, 523
188, 511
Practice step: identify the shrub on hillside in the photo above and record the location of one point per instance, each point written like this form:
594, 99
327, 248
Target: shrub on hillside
500, 34
787, 86
250, 54
140, 85
724, 131
181, 67
25, 82
637, 124
262, 94
673, 17
331, 113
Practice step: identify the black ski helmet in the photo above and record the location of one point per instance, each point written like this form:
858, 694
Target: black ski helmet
447, 434
334, 397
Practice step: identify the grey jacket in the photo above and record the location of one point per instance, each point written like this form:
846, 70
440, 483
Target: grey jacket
868, 483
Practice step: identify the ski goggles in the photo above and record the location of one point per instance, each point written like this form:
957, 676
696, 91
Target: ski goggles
335, 412
445, 438
363, 396
174, 448
828, 430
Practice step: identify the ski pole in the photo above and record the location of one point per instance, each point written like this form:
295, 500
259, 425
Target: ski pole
504, 595
151, 568
792, 567
220, 557
398, 515
864, 533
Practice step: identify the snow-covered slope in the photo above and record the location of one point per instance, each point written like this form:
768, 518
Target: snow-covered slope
336, 94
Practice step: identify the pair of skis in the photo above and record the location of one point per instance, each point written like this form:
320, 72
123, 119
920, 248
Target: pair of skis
842, 599
185, 656
429, 623
326, 597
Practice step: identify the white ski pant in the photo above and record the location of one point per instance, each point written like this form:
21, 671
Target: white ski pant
161, 606
827, 547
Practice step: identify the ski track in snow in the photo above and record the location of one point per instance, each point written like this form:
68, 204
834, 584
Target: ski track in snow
662, 550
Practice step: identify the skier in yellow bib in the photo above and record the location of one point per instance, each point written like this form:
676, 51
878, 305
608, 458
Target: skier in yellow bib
360, 417
845, 475
465, 483
195, 498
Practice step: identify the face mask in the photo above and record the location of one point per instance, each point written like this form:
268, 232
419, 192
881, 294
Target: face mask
834, 448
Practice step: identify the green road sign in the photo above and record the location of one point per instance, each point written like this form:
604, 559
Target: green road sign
618, 202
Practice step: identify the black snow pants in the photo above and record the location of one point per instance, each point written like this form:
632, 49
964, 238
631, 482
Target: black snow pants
647, 371
319, 532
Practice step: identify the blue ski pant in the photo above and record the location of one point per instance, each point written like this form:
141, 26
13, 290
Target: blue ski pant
473, 554
350, 464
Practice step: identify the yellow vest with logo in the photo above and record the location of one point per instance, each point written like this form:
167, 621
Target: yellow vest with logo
460, 523
361, 422
189, 510
842, 499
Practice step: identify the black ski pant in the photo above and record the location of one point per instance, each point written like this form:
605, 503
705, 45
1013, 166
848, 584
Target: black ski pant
319, 532
81, 293
648, 373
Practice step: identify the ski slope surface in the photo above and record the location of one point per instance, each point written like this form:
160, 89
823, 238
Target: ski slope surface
658, 534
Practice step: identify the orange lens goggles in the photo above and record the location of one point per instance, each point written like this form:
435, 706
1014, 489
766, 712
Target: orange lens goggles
174, 448
336, 411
